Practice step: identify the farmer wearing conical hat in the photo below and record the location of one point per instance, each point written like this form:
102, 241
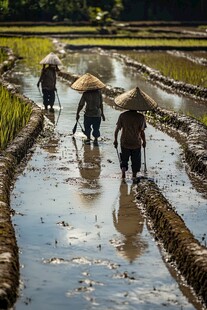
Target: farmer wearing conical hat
48, 79
132, 124
93, 102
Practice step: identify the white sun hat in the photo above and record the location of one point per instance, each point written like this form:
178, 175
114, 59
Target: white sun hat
51, 59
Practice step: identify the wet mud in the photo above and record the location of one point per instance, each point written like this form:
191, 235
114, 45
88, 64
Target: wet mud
9, 261
195, 133
185, 250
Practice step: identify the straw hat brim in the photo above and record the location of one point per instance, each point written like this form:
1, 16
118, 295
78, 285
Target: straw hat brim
87, 82
51, 59
135, 99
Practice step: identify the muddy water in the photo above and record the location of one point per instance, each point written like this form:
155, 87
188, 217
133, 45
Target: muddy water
84, 243
112, 69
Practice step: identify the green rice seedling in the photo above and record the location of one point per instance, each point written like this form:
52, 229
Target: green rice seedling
203, 119
3, 55
177, 68
14, 115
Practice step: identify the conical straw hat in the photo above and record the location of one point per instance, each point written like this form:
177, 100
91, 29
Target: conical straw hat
135, 99
87, 82
51, 59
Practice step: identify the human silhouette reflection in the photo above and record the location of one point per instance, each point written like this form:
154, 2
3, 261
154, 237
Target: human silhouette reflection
90, 168
51, 141
50, 114
129, 222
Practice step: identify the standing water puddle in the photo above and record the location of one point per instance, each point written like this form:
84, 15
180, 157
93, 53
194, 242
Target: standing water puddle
84, 243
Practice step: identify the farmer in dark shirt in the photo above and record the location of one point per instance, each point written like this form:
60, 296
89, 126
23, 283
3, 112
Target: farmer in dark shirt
92, 99
48, 79
132, 124
93, 102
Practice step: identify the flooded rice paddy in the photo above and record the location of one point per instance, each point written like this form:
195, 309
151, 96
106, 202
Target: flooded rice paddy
84, 242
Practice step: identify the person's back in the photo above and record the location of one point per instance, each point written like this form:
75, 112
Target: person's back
93, 102
93, 99
48, 79
131, 123
48, 84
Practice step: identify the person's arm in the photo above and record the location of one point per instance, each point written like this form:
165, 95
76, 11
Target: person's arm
40, 79
142, 134
116, 136
41, 75
55, 80
101, 107
80, 107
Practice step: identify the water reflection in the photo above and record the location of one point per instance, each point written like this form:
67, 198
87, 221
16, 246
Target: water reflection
115, 73
90, 168
129, 222
98, 65
50, 114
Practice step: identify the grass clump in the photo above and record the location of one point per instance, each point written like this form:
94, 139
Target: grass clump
3, 55
14, 115
203, 119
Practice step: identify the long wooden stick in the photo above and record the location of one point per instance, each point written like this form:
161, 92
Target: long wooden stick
58, 99
118, 155
145, 164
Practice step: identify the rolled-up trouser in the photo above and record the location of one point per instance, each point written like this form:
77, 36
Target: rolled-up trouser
92, 123
134, 155
48, 97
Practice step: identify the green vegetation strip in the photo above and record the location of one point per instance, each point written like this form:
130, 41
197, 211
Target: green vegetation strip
185, 250
135, 42
48, 29
14, 115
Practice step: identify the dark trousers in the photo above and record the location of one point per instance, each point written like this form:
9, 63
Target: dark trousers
134, 155
92, 124
48, 97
